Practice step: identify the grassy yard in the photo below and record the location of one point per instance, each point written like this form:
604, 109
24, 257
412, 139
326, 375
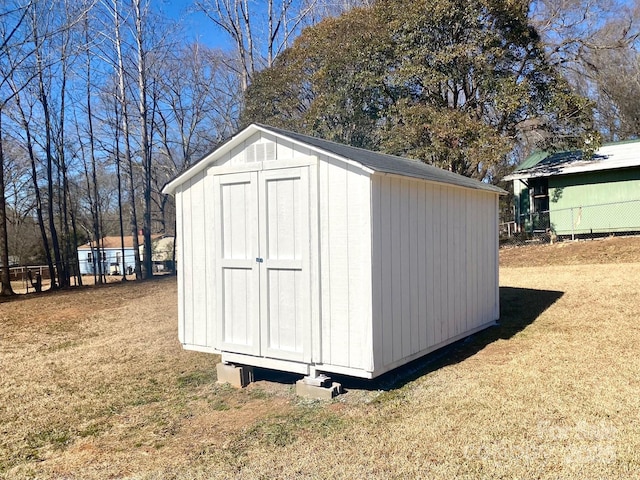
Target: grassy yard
94, 385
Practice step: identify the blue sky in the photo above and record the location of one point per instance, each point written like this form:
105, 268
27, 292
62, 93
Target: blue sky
196, 24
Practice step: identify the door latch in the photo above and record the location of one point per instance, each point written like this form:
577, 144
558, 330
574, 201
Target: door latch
259, 260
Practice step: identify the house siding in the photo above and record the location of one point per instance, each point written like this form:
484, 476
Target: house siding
595, 202
110, 255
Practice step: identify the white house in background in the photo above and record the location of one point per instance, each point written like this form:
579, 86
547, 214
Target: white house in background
309, 256
110, 253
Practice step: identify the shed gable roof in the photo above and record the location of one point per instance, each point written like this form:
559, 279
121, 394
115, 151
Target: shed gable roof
383, 163
611, 156
374, 161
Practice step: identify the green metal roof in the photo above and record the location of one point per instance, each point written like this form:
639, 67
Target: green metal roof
610, 156
547, 158
532, 160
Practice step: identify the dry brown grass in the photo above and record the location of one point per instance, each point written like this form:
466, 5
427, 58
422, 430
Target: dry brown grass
93, 384
583, 252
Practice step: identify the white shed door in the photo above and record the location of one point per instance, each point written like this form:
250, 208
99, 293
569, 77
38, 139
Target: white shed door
263, 272
284, 271
237, 275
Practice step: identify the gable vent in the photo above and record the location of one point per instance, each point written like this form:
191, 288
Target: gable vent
260, 152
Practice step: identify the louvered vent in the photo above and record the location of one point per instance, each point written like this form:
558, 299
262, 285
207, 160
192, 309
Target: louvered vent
260, 152
250, 153
269, 151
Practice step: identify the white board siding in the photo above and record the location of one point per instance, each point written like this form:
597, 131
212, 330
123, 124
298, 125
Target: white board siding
345, 246
199, 270
288, 150
284, 149
194, 266
359, 208
180, 259
494, 261
433, 265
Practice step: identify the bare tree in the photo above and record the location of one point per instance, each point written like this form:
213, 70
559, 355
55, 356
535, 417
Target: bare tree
126, 133
618, 93
594, 43
23, 115
145, 143
11, 43
22, 229
89, 151
37, 17
199, 101
260, 31
66, 76
19, 201
50, 32
572, 30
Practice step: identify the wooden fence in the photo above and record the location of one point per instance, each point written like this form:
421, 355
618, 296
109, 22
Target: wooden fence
20, 273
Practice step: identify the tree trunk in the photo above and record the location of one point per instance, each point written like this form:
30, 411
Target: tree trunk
44, 101
5, 276
63, 189
144, 140
92, 179
34, 179
119, 181
127, 140
75, 259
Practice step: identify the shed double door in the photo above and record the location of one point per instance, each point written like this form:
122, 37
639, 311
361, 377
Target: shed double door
262, 264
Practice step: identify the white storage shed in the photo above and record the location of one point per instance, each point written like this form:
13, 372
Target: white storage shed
308, 256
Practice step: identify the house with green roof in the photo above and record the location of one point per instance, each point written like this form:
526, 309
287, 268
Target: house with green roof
571, 194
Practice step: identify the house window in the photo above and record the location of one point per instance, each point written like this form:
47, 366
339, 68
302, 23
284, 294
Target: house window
118, 258
539, 188
89, 257
539, 216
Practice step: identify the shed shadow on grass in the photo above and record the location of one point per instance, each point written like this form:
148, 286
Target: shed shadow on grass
519, 307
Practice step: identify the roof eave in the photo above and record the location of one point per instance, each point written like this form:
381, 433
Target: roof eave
208, 159
212, 157
372, 170
517, 176
489, 188
231, 143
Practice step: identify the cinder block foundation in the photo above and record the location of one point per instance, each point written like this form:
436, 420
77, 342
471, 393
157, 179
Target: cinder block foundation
238, 376
317, 392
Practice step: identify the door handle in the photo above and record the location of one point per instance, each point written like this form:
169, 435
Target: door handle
259, 260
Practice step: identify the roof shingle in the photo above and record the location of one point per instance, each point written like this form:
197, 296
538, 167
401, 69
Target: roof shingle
381, 162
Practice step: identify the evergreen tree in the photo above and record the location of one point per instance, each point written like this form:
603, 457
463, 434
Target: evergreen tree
464, 85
